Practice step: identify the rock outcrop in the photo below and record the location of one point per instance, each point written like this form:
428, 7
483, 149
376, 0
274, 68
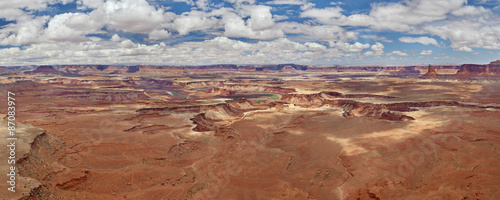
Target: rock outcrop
258, 88
431, 73
311, 99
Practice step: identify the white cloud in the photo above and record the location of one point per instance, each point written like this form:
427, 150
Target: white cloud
323, 32
421, 40
464, 26
376, 37
204, 52
135, 16
325, 16
399, 53
259, 25
127, 44
453, 20
116, 38
86, 4
202, 4
369, 53
403, 16
337, 3
470, 10
189, 2
159, 34
27, 30
58, 30
193, 21
239, 3
234, 26
290, 2
307, 6
356, 47
464, 49
11, 10
378, 48
468, 33
426, 52
260, 18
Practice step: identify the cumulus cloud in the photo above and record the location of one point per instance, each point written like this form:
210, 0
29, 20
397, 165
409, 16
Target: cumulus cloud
235, 26
453, 20
322, 32
369, 53
399, 53
378, 48
356, 47
116, 38
135, 16
426, 52
325, 15
11, 10
27, 30
58, 30
260, 18
193, 21
404, 15
159, 34
466, 34
464, 49
203, 52
421, 40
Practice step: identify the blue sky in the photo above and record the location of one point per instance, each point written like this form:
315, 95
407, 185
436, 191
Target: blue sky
198, 32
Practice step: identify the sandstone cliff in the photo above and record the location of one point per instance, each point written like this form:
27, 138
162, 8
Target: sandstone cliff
471, 70
431, 72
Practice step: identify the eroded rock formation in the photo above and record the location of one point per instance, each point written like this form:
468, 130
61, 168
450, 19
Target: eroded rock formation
431, 73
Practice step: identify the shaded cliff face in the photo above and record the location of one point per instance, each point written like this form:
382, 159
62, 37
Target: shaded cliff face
208, 117
49, 70
44, 69
352, 108
311, 99
470, 70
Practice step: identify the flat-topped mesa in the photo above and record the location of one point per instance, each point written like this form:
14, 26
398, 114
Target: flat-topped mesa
47, 69
431, 72
496, 62
44, 69
472, 70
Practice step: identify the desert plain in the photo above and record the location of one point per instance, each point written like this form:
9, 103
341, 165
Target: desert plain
254, 132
